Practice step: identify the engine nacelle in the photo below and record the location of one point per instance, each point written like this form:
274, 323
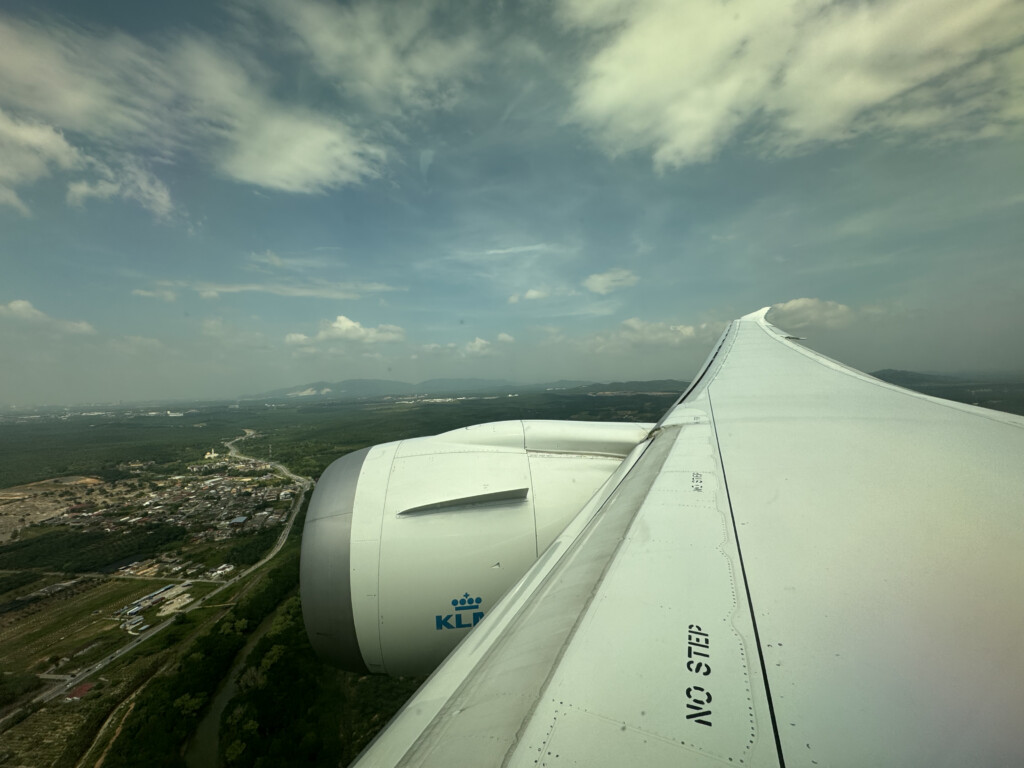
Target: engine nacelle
407, 545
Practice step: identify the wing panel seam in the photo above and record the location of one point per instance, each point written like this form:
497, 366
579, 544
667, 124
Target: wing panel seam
746, 588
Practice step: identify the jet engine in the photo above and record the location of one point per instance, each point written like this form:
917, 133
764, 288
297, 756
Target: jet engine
407, 545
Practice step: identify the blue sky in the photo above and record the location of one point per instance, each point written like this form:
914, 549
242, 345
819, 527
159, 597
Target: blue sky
204, 200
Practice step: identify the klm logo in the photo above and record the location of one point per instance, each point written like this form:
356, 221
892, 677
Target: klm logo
467, 614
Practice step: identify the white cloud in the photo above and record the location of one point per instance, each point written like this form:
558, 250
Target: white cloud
529, 272
164, 294
392, 56
802, 313
350, 330
30, 151
645, 332
606, 282
296, 285
298, 151
187, 94
104, 84
477, 346
521, 249
881, 55
269, 261
321, 289
268, 258
258, 139
634, 332
22, 311
131, 181
531, 294
299, 339
9, 197
683, 79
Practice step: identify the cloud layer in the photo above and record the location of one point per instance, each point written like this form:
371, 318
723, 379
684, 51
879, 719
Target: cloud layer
188, 96
297, 190
30, 151
344, 329
797, 314
606, 282
683, 80
22, 312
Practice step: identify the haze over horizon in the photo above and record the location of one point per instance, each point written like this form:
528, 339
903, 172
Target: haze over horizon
203, 200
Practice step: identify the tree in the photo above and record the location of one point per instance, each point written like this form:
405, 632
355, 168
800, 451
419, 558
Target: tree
190, 705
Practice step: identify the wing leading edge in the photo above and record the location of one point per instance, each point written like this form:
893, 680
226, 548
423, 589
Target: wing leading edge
802, 564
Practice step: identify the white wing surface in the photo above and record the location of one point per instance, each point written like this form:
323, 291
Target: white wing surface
802, 565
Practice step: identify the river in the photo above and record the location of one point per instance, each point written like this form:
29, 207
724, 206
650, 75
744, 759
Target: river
203, 747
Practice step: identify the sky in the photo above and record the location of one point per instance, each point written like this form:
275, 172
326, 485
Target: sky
203, 200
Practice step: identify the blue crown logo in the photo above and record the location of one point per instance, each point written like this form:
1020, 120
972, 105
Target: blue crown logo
466, 603
457, 619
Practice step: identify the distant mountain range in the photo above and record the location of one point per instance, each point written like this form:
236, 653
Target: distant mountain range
661, 386
912, 379
354, 389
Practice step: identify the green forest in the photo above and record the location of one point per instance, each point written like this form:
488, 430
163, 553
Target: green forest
72, 551
171, 705
293, 710
290, 708
304, 437
319, 434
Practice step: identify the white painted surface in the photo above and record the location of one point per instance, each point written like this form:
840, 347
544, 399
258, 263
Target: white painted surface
364, 552
880, 534
411, 572
665, 653
539, 601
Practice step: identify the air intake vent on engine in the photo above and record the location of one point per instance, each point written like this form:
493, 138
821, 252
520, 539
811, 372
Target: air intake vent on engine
451, 505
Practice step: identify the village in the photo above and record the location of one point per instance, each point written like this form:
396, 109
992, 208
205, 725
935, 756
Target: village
220, 498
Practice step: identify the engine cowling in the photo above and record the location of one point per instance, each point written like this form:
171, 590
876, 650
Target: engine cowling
407, 545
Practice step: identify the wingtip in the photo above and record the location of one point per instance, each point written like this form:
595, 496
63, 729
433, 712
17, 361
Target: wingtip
758, 316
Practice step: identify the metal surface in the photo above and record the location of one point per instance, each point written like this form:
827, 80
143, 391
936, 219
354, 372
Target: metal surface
663, 663
324, 566
882, 533
410, 544
849, 568
527, 629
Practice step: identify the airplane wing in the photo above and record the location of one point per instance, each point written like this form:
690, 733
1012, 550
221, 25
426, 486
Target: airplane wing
802, 565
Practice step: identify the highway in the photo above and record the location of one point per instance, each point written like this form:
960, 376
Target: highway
305, 482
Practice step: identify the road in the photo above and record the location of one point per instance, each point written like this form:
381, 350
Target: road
305, 482
69, 683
